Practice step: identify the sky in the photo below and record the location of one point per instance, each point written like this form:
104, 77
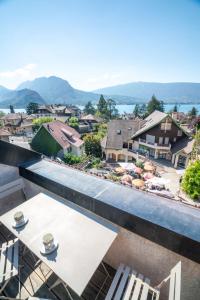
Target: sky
98, 43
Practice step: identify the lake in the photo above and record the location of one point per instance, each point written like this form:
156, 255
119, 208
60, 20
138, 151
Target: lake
129, 108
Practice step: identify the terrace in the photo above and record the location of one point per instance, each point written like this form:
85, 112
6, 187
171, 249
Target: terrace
151, 229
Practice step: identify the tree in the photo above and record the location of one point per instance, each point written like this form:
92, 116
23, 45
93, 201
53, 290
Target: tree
93, 145
89, 108
112, 111
193, 112
1, 115
154, 104
196, 146
102, 106
73, 122
32, 108
191, 180
39, 121
143, 111
175, 109
12, 111
136, 110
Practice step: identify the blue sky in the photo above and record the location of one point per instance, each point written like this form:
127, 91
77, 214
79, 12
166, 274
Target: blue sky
98, 43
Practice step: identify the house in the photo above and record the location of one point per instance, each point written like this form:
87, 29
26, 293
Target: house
4, 135
57, 110
115, 145
158, 136
56, 139
91, 119
87, 123
18, 123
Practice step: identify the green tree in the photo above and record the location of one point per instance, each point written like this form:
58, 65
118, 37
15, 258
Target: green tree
2, 114
39, 121
154, 104
102, 106
93, 145
143, 111
32, 108
175, 108
191, 180
73, 122
136, 110
12, 111
196, 146
89, 108
112, 111
193, 112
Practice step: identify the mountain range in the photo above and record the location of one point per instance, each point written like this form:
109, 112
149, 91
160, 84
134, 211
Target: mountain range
53, 89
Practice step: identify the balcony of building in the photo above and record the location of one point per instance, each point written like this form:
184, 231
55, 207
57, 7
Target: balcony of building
155, 146
154, 233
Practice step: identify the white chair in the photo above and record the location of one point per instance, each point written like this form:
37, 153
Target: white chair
9, 258
128, 285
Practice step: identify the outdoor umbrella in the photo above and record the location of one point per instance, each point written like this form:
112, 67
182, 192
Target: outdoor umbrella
127, 179
148, 167
148, 175
138, 183
120, 170
138, 170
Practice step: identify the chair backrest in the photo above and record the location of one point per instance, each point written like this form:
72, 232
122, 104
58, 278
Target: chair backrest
175, 282
9, 260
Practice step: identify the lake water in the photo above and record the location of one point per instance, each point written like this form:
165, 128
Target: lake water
181, 107
129, 108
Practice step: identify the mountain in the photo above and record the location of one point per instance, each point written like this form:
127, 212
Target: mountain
20, 98
57, 90
180, 92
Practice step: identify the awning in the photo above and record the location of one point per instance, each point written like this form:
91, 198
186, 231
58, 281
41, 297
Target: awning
83, 238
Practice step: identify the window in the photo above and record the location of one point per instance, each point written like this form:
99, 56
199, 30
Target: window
166, 140
174, 139
162, 126
179, 133
166, 126
160, 141
125, 145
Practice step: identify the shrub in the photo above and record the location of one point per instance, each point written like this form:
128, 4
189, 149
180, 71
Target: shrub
72, 159
191, 180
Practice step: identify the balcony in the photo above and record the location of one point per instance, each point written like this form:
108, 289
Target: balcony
151, 228
155, 145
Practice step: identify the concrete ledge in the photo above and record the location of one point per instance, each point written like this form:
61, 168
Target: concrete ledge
165, 222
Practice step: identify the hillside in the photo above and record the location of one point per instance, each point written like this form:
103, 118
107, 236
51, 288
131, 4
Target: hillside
57, 90
19, 99
180, 92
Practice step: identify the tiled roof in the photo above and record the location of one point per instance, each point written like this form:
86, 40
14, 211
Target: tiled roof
4, 132
14, 116
90, 117
63, 134
185, 145
152, 120
120, 131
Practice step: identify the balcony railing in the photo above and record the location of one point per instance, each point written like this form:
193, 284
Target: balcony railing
155, 145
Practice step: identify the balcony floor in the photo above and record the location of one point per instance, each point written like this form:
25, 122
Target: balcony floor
36, 278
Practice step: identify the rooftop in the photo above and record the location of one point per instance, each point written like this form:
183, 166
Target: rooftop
63, 134
120, 131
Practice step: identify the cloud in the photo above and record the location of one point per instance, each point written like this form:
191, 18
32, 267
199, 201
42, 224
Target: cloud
24, 72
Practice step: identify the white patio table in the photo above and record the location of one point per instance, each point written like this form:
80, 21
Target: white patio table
83, 238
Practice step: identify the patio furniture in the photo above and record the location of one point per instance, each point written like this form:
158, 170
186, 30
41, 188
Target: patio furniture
76, 231
128, 285
8, 262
